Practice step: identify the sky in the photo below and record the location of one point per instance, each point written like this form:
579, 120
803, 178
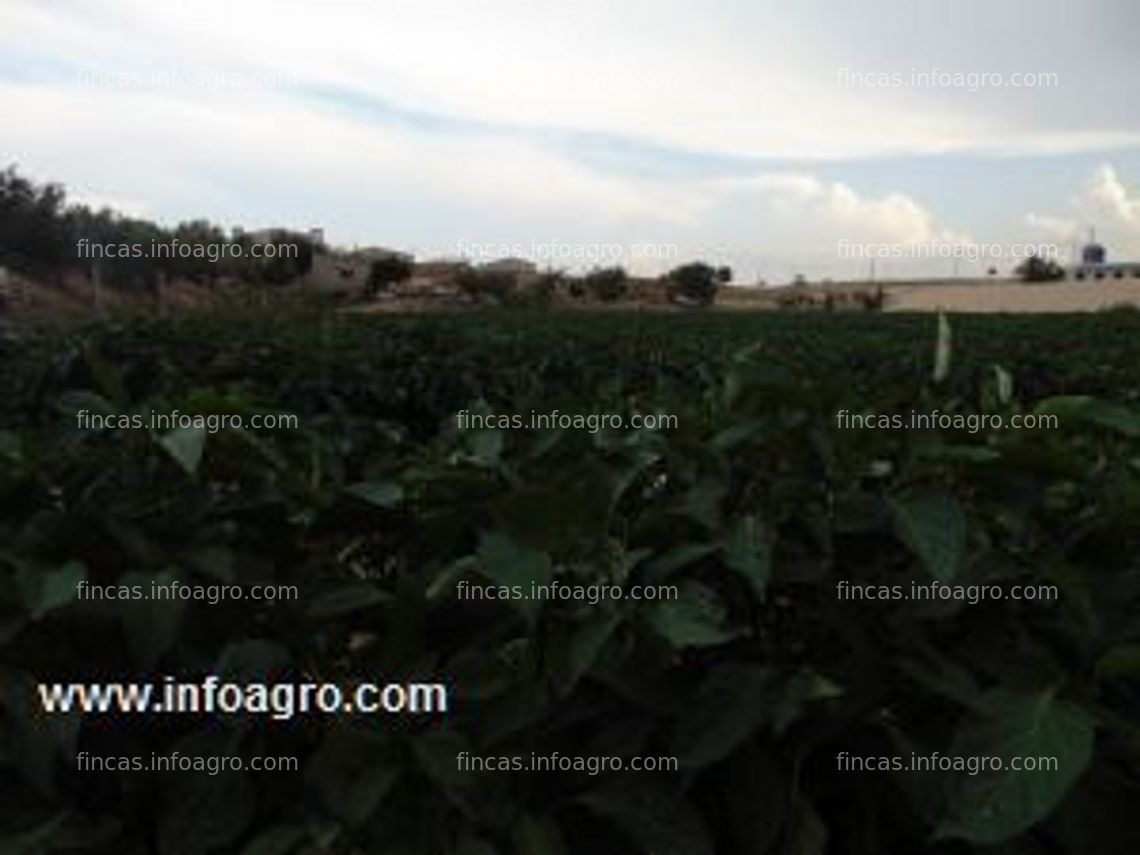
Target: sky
779, 139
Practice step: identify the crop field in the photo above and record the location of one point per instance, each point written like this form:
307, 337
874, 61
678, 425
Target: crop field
393, 486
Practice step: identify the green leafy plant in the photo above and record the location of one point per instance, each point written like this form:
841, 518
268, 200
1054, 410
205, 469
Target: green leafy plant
756, 677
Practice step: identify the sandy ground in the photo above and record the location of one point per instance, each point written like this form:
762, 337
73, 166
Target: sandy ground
961, 295
1086, 296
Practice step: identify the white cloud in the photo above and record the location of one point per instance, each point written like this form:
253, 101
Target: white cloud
727, 78
1060, 229
891, 218
243, 158
1110, 194
716, 82
1104, 204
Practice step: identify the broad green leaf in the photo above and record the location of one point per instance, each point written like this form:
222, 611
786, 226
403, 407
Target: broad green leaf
946, 679
80, 403
933, 525
382, 494
46, 592
580, 650
1082, 408
624, 479
505, 564
480, 437
994, 806
735, 435
1065, 407
749, 553
486, 446
798, 690
728, 707
1113, 416
185, 446
443, 585
678, 557
697, 618
702, 503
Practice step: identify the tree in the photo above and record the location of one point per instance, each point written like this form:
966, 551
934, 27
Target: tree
697, 282
1037, 269
385, 272
33, 237
607, 285
290, 258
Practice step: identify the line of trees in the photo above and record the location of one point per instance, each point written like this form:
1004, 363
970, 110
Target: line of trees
692, 284
41, 235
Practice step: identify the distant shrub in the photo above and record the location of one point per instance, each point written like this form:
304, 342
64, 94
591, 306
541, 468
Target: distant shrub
1037, 269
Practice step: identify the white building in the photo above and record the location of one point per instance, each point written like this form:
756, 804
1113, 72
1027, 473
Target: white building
1094, 264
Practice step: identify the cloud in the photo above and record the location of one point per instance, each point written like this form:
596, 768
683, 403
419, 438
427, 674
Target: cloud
1104, 204
729, 78
241, 157
479, 122
1109, 193
836, 207
1060, 229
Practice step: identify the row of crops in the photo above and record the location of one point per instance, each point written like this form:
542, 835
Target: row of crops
757, 678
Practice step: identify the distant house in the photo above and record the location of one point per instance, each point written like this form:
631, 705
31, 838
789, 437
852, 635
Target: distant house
524, 273
1094, 264
518, 267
